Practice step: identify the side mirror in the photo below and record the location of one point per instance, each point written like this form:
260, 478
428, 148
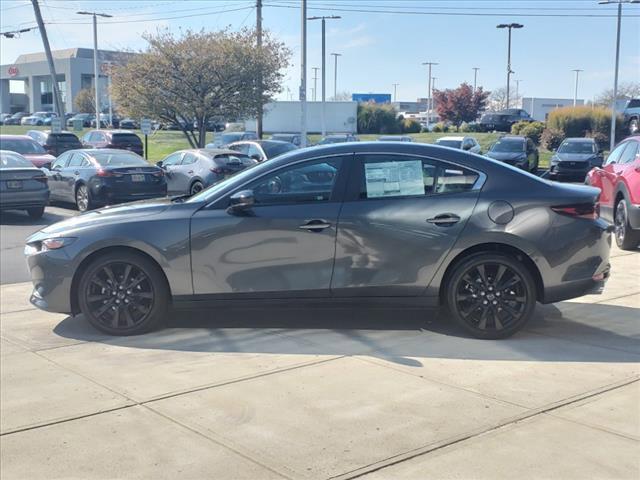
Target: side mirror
159, 163
257, 156
466, 147
240, 201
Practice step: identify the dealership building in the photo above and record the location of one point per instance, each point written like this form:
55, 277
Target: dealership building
25, 85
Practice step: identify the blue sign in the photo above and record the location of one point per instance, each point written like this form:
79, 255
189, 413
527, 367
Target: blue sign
371, 97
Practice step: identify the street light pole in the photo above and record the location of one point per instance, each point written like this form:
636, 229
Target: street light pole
324, 66
335, 75
509, 71
315, 81
475, 78
95, 60
395, 89
430, 64
517, 88
303, 79
575, 91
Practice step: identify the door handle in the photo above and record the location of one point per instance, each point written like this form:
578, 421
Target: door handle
190, 172
76, 173
444, 220
315, 225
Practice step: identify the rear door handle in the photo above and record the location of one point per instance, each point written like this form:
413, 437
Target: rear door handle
444, 219
315, 225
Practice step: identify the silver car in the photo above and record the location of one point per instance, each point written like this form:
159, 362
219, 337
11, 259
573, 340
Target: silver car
191, 171
469, 144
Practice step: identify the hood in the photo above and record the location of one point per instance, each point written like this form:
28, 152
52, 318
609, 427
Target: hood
507, 155
39, 159
573, 157
119, 213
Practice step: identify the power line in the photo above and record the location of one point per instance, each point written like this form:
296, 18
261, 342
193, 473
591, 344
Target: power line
168, 11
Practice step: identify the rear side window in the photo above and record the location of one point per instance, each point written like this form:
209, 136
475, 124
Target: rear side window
629, 154
62, 139
78, 160
125, 139
397, 176
615, 156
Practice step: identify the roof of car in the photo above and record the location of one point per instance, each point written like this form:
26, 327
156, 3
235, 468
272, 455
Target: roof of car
579, 139
513, 137
91, 151
260, 142
451, 138
16, 137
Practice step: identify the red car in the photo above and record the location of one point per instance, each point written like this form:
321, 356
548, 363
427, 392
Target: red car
619, 182
28, 148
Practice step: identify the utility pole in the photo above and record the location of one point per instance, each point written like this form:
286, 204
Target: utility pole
324, 66
315, 81
433, 83
259, 43
395, 89
509, 71
575, 91
517, 88
475, 78
303, 79
430, 64
335, 75
57, 100
95, 60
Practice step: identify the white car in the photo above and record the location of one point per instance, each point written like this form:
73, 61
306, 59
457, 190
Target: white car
38, 118
469, 144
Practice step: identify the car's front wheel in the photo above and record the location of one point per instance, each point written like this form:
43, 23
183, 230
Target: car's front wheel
36, 212
626, 237
490, 295
123, 293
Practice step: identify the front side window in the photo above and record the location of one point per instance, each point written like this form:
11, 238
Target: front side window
173, 159
61, 161
629, 154
614, 156
309, 182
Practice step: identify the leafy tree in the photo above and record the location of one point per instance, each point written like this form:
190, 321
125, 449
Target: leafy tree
85, 101
377, 118
498, 99
460, 104
201, 76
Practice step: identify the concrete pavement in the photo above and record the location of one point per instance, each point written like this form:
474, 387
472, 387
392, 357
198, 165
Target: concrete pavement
334, 392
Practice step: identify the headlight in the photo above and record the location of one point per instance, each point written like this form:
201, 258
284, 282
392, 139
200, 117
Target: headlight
54, 243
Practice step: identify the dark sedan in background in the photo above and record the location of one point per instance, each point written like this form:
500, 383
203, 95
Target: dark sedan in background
28, 148
262, 150
574, 158
55, 143
423, 224
16, 118
22, 186
503, 120
91, 178
119, 139
191, 171
518, 151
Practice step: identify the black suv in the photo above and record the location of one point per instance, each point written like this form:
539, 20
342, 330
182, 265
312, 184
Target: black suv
55, 143
503, 120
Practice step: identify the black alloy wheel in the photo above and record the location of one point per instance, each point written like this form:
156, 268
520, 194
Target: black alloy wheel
626, 237
123, 294
491, 295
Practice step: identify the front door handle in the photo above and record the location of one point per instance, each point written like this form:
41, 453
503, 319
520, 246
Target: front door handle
315, 225
444, 219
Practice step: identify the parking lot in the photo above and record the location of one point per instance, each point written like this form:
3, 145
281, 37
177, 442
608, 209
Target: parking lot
326, 392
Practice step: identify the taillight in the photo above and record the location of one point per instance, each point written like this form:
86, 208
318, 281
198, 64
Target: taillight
41, 178
158, 173
104, 173
589, 211
217, 170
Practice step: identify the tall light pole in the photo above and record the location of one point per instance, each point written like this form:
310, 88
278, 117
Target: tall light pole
303, 76
395, 89
517, 88
429, 64
315, 81
95, 59
509, 71
575, 91
335, 75
324, 66
612, 140
475, 78
433, 83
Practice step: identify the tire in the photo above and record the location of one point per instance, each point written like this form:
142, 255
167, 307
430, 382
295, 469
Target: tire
35, 213
196, 187
83, 198
123, 294
484, 300
626, 237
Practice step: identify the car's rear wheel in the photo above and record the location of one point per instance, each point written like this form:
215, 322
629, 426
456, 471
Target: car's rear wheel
123, 294
196, 187
83, 198
626, 237
36, 212
491, 295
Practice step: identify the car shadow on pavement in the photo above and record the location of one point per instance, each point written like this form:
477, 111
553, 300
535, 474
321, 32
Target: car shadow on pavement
605, 333
12, 217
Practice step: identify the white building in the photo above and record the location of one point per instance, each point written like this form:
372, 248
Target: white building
539, 108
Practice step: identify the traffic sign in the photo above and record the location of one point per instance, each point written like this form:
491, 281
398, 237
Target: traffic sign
145, 126
56, 125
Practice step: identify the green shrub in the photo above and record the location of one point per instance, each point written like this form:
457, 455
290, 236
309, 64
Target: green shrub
601, 139
376, 118
516, 128
469, 128
410, 126
452, 129
532, 130
439, 128
551, 138
578, 121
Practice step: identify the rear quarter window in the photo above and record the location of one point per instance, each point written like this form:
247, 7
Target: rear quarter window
125, 138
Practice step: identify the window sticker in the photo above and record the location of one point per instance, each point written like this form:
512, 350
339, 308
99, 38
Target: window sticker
394, 179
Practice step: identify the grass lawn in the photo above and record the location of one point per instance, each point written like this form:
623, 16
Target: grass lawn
164, 142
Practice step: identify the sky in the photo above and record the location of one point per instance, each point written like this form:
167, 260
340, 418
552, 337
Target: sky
382, 42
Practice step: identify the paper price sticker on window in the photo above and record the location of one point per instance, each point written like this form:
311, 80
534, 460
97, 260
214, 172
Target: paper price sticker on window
394, 179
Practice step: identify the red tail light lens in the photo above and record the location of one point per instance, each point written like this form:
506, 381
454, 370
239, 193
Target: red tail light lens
584, 210
158, 173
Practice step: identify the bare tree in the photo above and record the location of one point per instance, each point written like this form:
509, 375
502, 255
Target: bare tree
498, 99
341, 97
626, 91
85, 101
201, 76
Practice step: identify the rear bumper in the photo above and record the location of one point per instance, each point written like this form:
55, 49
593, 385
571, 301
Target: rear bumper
22, 200
106, 195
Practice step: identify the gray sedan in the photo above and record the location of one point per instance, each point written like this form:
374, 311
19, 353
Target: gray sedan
191, 171
22, 186
424, 224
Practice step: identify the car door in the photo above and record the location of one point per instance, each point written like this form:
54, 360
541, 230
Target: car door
284, 245
184, 172
607, 176
401, 216
55, 176
170, 165
70, 174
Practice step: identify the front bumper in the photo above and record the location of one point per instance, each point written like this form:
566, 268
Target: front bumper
51, 275
560, 171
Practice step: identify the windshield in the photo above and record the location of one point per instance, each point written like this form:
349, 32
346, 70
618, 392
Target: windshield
328, 140
450, 143
509, 145
11, 160
21, 145
283, 138
119, 159
125, 138
275, 149
230, 137
577, 147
